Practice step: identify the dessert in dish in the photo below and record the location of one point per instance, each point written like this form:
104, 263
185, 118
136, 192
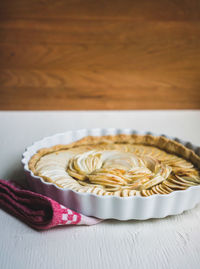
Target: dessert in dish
60, 167
119, 165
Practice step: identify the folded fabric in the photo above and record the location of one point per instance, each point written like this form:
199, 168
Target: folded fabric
36, 210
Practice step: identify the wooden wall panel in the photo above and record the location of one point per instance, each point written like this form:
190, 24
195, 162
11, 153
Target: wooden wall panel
74, 54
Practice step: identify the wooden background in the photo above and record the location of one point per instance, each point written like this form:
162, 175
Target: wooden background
105, 54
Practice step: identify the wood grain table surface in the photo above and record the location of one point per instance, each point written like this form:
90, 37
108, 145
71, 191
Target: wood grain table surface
73, 54
169, 243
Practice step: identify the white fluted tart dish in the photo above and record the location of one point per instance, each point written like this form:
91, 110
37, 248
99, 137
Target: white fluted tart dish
116, 173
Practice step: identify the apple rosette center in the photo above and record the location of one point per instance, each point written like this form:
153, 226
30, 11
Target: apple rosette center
114, 170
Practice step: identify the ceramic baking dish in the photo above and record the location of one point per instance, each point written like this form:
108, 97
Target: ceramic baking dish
110, 207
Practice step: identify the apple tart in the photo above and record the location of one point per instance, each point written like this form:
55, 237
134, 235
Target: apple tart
119, 165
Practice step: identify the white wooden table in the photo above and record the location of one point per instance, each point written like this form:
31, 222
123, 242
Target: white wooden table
173, 242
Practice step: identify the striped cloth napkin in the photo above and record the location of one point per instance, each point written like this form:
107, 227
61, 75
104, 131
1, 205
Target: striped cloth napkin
36, 210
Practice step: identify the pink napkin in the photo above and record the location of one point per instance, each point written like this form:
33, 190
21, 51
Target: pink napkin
38, 211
